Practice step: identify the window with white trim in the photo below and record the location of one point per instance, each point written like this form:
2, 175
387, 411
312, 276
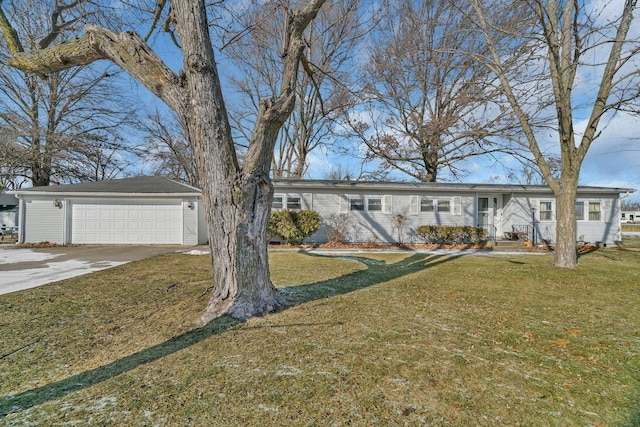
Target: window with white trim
294, 203
282, 201
428, 204
546, 211
356, 204
374, 204
579, 210
444, 205
277, 202
595, 213
364, 203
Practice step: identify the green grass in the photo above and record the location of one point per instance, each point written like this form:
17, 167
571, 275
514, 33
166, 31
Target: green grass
390, 339
631, 242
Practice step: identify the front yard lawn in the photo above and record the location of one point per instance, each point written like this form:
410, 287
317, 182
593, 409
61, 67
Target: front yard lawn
384, 339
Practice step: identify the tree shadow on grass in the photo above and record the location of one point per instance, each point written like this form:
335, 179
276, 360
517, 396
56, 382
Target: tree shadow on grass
375, 273
58, 389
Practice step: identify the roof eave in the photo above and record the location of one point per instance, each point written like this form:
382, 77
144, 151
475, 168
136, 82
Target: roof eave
437, 186
100, 194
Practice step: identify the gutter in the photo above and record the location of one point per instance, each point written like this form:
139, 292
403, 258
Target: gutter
23, 193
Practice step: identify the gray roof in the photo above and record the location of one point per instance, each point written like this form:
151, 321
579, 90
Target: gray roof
8, 200
152, 185
155, 185
302, 184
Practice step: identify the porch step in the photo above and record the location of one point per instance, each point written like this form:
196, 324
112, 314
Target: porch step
509, 246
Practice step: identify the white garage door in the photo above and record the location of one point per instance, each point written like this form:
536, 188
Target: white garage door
127, 222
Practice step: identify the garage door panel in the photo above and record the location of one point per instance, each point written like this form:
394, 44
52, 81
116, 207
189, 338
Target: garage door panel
119, 212
148, 222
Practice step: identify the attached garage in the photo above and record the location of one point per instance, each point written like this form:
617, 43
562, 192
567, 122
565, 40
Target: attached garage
126, 222
140, 210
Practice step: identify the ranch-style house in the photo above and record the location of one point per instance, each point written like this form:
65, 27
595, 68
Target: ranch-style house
156, 210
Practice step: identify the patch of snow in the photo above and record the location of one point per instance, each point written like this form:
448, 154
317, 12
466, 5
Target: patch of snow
11, 256
289, 371
268, 409
197, 252
15, 280
103, 402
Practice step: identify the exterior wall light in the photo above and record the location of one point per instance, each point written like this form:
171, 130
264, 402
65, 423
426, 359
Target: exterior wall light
57, 203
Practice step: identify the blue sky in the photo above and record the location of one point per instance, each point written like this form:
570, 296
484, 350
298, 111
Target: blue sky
613, 159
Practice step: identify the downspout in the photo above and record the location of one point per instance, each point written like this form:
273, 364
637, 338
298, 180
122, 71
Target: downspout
65, 222
21, 219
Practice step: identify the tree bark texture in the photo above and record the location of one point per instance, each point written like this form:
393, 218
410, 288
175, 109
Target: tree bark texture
565, 253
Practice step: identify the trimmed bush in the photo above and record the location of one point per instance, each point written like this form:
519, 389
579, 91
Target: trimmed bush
451, 234
293, 226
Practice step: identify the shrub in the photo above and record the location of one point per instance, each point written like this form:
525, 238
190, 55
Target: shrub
293, 226
337, 226
451, 234
399, 221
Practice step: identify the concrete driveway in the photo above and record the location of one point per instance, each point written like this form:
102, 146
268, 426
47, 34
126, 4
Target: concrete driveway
24, 268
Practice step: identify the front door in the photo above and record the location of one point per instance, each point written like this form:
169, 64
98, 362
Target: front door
490, 214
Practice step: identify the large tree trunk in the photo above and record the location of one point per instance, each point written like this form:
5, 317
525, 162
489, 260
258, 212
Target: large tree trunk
565, 254
237, 199
238, 242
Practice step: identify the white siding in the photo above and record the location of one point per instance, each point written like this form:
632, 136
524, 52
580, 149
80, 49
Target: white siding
518, 212
43, 221
379, 226
190, 222
387, 204
608, 228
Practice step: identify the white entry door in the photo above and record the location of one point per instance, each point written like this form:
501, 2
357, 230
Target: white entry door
127, 222
490, 214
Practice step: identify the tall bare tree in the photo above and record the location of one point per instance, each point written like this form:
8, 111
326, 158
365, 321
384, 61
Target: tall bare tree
423, 108
63, 124
321, 86
568, 61
237, 198
168, 149
11, 166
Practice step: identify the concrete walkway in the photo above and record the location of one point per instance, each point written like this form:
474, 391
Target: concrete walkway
24, 268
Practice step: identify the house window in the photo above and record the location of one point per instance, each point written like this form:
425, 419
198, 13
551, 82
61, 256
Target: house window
546, 211
356, 204
426, 205
579, 211
374, 204
277, 202
594, 211
444, 205
437, 205
293, 203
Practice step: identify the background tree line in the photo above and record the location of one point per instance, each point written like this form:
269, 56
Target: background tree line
405, 88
